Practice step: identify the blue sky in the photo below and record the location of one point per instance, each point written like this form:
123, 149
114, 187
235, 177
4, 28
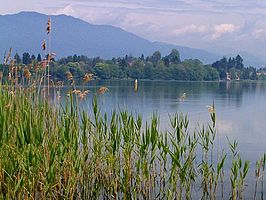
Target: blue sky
222, 26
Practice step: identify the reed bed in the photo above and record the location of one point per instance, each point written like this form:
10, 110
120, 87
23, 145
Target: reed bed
62, 152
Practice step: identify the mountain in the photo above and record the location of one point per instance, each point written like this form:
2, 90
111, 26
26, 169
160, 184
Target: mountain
25, 32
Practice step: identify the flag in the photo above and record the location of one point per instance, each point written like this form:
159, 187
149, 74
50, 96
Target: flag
48, 29
44, 45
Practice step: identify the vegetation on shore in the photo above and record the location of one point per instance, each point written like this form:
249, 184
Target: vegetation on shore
155, 67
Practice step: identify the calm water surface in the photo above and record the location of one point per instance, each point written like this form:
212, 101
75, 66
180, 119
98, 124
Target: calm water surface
240, 107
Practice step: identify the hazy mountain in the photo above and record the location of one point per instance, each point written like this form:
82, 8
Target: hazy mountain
25, 31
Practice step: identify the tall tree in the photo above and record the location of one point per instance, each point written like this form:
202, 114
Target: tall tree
33, 57
222, 67
123, 64
174, 57
239, 62
39, 58
142, 57
166, 61
26, 58
17, 58
231, 63
75, 58
156, 57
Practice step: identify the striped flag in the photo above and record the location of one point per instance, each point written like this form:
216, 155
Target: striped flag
44, 45
48, 29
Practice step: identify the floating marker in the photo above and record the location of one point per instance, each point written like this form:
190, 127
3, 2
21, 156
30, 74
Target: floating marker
136, 85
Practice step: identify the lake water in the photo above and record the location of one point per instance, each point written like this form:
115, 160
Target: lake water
240, 107
240, 110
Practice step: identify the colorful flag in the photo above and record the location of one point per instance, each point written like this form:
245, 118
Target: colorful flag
48, 29
44, 45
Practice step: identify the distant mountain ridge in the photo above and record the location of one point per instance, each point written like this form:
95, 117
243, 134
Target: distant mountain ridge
25, 31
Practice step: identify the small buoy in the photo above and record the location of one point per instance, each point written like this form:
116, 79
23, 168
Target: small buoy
183, 97
136, 85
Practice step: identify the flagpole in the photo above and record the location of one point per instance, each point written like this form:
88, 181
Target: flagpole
44, 78
49, 54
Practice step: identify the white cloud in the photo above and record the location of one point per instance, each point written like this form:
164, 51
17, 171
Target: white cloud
219, 25
222, 29
192, 28
67, 10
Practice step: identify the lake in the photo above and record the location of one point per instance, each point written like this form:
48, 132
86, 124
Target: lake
240, 107
240, 111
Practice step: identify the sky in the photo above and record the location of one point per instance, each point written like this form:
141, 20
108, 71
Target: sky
220, 26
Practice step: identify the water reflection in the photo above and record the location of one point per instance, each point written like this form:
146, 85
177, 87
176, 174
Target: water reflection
240, 106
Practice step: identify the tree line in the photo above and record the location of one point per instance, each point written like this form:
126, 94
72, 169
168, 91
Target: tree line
154, 67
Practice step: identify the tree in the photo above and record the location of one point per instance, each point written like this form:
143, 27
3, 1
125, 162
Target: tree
249, 73
142, 57
126, 57
194, 69
211, 74
17, 58
102, 70
60, 71
174, 57
156, 56
122, 63
75, 58
39, 58
166, 61
135, 72
33, 57
178, 72
152, 67
114, 71
114, 60
96, 60
148, 71
26, 58
235, 73
239, 62
75, 69
231, 63
222, 67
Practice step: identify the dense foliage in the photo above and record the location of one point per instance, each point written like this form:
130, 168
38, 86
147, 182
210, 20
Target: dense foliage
152, 67
235, 67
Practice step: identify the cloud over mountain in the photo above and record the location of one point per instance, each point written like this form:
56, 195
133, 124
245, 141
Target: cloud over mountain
222, 29
218, 25
25, 31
